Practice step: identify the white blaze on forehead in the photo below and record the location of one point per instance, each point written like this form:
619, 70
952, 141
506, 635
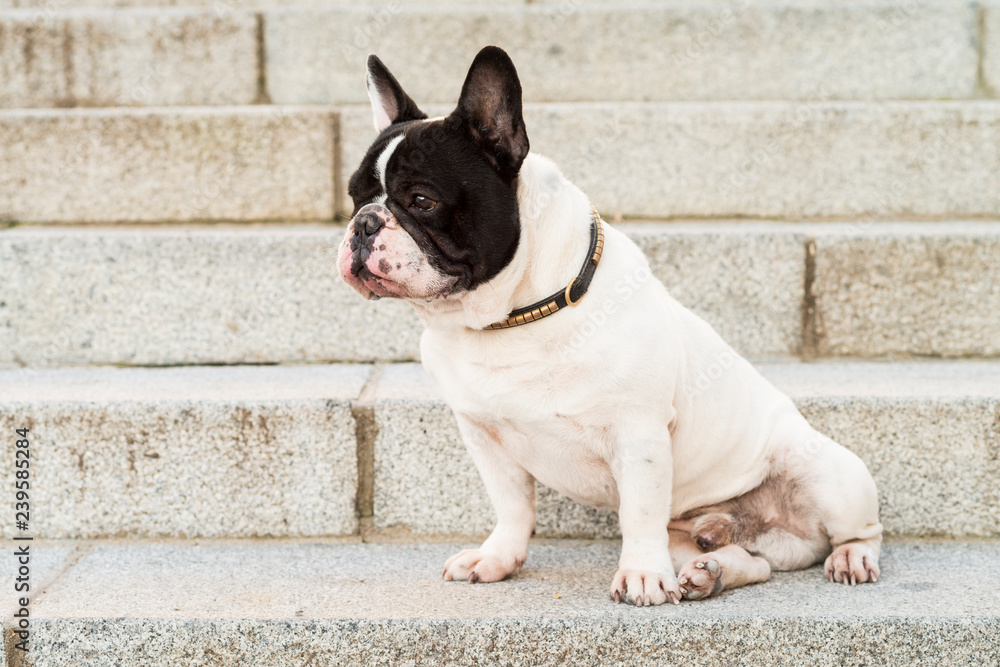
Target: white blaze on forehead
380, 165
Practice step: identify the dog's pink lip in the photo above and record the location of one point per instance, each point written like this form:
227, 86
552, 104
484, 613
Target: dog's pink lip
382, 286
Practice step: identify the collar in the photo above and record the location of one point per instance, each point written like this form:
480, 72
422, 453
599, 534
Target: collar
571, 295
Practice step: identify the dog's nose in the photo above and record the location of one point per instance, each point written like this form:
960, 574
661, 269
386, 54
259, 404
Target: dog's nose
367, 225
373, 224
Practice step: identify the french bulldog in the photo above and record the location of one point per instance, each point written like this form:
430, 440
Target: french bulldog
566, 362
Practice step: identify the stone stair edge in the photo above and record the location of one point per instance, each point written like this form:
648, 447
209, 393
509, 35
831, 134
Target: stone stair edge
556, 610
439, 108
387, 383
50, 9
633, 225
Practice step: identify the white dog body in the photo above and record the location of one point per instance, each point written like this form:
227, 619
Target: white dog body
581, 400
563, 395
625, 400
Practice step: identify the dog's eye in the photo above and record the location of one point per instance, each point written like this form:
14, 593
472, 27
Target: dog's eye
424, 203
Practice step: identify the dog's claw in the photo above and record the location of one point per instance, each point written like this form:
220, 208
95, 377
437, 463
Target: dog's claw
473, 577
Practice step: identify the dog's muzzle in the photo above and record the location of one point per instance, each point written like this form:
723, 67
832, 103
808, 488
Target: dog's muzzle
369, 221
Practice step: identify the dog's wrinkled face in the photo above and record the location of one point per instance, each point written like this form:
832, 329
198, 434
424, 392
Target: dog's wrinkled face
435, 207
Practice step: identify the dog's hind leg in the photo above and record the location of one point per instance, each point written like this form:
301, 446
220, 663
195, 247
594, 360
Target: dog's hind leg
846, 505
847, 501
701, 575
777, 521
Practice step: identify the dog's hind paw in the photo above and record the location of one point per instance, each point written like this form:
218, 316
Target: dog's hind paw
852, 563
701, 578
475, 565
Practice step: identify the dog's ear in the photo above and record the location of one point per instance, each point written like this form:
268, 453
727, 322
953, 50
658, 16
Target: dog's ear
389, 103
490, 108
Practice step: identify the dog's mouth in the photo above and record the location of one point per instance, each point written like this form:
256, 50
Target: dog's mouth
380, 286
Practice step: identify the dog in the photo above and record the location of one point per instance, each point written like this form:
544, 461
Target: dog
506, 262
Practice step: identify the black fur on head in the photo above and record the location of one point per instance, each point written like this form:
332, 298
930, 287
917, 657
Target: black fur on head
451, 182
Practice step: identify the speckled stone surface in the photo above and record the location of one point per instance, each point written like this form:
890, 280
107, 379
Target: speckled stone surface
929, 432
96, 58
146, 165
573, 51
991, 48
733, 159
217, 452
183, 295
278, 603
743, 278
47, 560
930, 289
272, 293
223, 6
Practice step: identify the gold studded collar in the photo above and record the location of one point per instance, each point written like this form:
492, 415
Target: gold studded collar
571, 295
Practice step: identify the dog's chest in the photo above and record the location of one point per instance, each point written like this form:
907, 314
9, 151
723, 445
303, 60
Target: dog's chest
564, 439
563, 452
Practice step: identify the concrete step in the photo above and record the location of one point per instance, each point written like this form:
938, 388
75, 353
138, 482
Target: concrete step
237, 52
55, 57
192, 451
179, 164
271, 293
929, 433
849, 160
572, 51
788, 160
308, 602
303, 450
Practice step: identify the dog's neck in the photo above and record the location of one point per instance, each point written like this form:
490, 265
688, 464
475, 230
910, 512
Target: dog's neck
543, 263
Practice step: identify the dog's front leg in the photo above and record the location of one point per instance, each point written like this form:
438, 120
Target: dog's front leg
644, 473
511, 489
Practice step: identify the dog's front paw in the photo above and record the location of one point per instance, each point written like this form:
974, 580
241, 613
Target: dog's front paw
644, 588
700, 578
852, 563
475, 565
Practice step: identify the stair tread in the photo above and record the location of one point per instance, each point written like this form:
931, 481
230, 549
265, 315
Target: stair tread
319, 575
860, 378
178, 602
836, 379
